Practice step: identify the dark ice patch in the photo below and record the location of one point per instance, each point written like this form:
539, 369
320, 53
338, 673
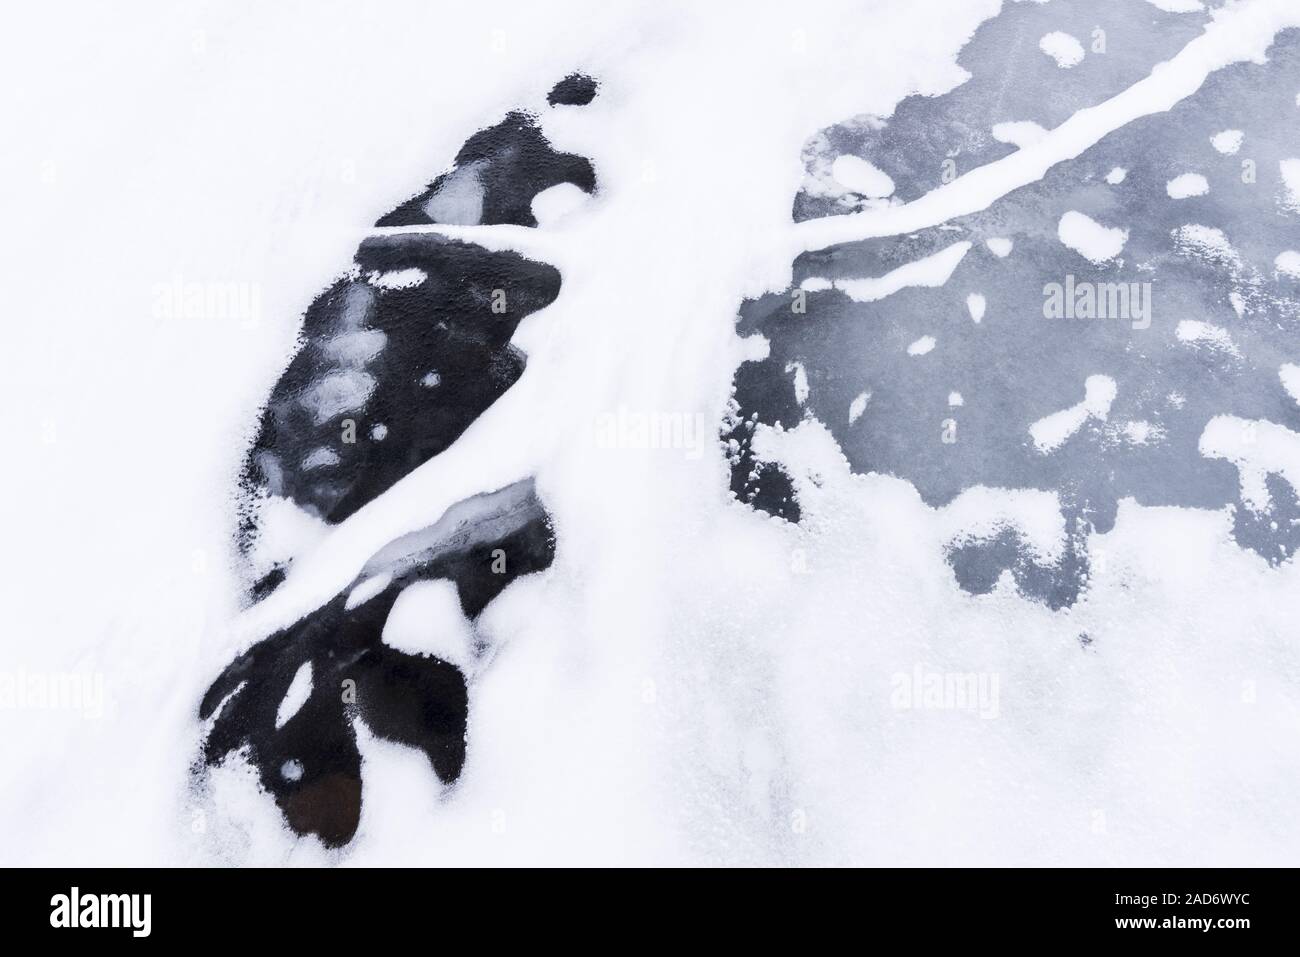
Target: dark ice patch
434, 355
505, 166
977, 566
1015, 366
1272, 531
767, 486
311, 765
576, 89
396, 360
1012, 79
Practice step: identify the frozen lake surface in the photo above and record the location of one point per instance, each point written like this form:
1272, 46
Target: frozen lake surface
664, 434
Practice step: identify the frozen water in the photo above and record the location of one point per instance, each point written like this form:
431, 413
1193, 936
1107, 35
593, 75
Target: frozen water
1078, 498
1055, 318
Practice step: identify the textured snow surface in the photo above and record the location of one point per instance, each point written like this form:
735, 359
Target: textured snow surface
1085, 526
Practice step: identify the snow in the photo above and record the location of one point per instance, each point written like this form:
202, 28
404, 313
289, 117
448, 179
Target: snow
1063, 48
427, 620
858, 406
672, 691
981, 512
1019, 133
1257, 448
334, 148
1140, 432
1289, 373
975, 305
1228, 142
1288, 263
921, 346
1195, 332
1290, 170
1187, 184
552, 206
860, 176
368, 589
933, 270
1050, 432
285, 530
398, 279
800, 381
1207, 243
1089, 238
297, 695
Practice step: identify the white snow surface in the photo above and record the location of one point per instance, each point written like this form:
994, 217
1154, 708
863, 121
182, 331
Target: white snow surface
933, 270
1187, 184
1051, 431
1288, 263
1063, 48
1089, 238
1228, 142
862, 177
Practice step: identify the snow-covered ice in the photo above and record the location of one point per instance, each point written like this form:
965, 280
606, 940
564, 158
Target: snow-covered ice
555, 433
